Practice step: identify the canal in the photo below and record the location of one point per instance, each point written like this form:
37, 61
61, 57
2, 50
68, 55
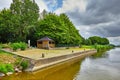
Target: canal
101, 66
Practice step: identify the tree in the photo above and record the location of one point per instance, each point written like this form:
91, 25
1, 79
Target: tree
104, 41
43, 14
98, 40
88, 42
59, 28
73, 35
7, 29
27, 12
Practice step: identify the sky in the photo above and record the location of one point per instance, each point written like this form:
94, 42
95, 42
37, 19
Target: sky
91, 17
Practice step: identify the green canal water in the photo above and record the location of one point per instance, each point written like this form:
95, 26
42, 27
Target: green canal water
101, 66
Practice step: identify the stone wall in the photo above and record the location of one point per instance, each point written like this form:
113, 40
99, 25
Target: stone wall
42, 63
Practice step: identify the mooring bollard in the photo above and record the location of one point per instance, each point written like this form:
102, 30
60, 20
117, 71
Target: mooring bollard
43, 55
72, 51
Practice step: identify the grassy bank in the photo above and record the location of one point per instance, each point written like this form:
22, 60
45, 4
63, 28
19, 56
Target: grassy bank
6, 57
103, 47
98, 47
8, 62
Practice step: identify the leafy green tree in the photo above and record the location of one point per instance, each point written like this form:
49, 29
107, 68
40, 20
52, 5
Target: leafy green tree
7, 29
22, 22
88, 42
49, 26
43, 14
73, 35
104, 41
59, 28
98, 40
27, 12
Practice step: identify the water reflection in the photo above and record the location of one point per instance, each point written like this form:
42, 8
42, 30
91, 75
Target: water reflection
100, 54
101, 67
66, 71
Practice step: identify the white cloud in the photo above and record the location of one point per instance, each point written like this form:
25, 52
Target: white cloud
5, 4
41, 5
84, 30
71, 5
114, 40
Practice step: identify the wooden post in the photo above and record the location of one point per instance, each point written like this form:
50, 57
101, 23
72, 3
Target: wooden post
43, 55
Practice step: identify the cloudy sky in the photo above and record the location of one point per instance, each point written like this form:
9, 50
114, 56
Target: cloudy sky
91, 17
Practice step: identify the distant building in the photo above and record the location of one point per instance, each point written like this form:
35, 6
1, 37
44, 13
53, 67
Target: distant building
45, 43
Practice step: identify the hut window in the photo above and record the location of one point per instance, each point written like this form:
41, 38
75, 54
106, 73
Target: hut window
40, 42
50, 42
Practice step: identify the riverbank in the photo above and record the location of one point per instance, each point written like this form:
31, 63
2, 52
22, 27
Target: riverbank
98, 47
81, 69
47, 62
37, 61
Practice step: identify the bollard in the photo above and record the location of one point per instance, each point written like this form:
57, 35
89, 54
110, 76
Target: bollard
43, 55
72, 51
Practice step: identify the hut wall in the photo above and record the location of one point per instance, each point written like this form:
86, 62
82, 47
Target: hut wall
39, 45
45, 44
52, 45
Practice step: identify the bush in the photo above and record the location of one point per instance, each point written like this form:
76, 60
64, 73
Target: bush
20, 45
4, 68
23, 46
9, 68
24, 64
15, 46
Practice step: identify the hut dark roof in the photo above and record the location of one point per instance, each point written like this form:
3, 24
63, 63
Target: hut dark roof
45, 39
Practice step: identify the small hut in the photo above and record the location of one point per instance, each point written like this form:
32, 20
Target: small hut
45, 43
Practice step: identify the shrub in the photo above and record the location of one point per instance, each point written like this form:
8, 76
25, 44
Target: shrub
15, 46
4, 68
20, 45
23, 46
9, 68
24, 64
